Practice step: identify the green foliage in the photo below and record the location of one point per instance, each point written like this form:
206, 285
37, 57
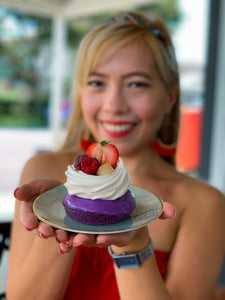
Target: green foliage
22, 103
27, 120
18, 56
10, 96
43, 25
78, 28
167, 10
20, 52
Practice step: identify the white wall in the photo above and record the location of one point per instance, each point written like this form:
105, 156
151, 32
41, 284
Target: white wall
191, 37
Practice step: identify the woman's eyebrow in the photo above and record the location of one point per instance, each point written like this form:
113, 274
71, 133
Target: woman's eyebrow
131, 74
141, 74
97, 74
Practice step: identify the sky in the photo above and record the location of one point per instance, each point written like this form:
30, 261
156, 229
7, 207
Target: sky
191, 38
13, 29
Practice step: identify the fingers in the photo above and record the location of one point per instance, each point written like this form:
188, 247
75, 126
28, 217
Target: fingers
61, 236
169, 211
27, 193
27, 217
67, 246
30, 191
75, 240
88, 240
45, 230
30, 221
64, 248
118, 239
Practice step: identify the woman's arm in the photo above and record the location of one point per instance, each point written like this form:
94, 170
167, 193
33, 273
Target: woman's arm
195, 260
199, 250
36, 268
144, 282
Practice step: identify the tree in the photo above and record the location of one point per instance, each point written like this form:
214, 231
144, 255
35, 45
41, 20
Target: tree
19, 54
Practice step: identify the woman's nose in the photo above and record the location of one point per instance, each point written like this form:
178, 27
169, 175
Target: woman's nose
115, 101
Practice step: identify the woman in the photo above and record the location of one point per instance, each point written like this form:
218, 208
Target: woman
127, 91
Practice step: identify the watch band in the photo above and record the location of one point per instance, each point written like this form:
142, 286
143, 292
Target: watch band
132, 260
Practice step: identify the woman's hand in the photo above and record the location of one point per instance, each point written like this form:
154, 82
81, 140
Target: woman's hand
28, 193
104, 240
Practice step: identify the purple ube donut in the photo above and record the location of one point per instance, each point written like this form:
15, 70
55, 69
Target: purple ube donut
99, 211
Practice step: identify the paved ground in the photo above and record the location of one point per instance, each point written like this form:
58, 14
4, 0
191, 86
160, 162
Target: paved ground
16, 146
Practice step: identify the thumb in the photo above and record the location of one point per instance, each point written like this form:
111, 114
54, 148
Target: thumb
169, 211
31, 190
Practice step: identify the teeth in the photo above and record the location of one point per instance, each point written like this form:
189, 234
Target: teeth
117, 128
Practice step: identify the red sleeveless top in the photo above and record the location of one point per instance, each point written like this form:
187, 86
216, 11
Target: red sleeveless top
93, 276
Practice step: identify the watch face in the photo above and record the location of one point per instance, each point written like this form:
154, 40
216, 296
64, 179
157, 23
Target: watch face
127, 261
133, 260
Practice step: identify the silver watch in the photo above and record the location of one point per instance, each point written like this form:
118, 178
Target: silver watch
133, 260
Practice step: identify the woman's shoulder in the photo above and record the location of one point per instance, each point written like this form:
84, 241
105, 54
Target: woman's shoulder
198, 190
47, 164
202, 201
194, 197
50, 159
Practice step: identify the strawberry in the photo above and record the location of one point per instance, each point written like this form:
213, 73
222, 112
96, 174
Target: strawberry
110, 155
95, 150
104, 152
90, 165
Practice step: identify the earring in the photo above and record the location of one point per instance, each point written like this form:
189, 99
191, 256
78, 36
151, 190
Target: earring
168, 133
163, 149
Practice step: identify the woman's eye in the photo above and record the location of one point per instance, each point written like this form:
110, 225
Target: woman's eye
138, 84
95, 83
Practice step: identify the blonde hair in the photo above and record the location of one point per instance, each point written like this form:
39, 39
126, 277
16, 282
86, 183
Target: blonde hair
96, 48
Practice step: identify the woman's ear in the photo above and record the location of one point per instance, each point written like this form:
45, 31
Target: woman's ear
172, 98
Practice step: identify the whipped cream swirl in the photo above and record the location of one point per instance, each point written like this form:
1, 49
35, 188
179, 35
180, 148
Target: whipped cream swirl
108, 187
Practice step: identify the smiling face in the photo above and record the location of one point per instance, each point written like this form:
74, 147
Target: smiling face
124, 100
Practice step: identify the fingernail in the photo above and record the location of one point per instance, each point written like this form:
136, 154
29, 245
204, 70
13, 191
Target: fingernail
15, 192
43, 236
57, 240
75, 244
28, 229
101, 241
61, 251
173, 211
175, 214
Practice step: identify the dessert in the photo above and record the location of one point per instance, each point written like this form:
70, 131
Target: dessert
98, 187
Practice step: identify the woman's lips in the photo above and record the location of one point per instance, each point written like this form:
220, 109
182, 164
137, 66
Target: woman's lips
117, 129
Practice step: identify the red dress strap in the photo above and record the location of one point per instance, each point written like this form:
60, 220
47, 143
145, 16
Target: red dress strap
93, 276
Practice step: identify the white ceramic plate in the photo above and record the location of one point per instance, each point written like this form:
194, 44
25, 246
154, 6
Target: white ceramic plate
49, 209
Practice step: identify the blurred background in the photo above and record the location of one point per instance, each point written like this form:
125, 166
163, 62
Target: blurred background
38, 42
